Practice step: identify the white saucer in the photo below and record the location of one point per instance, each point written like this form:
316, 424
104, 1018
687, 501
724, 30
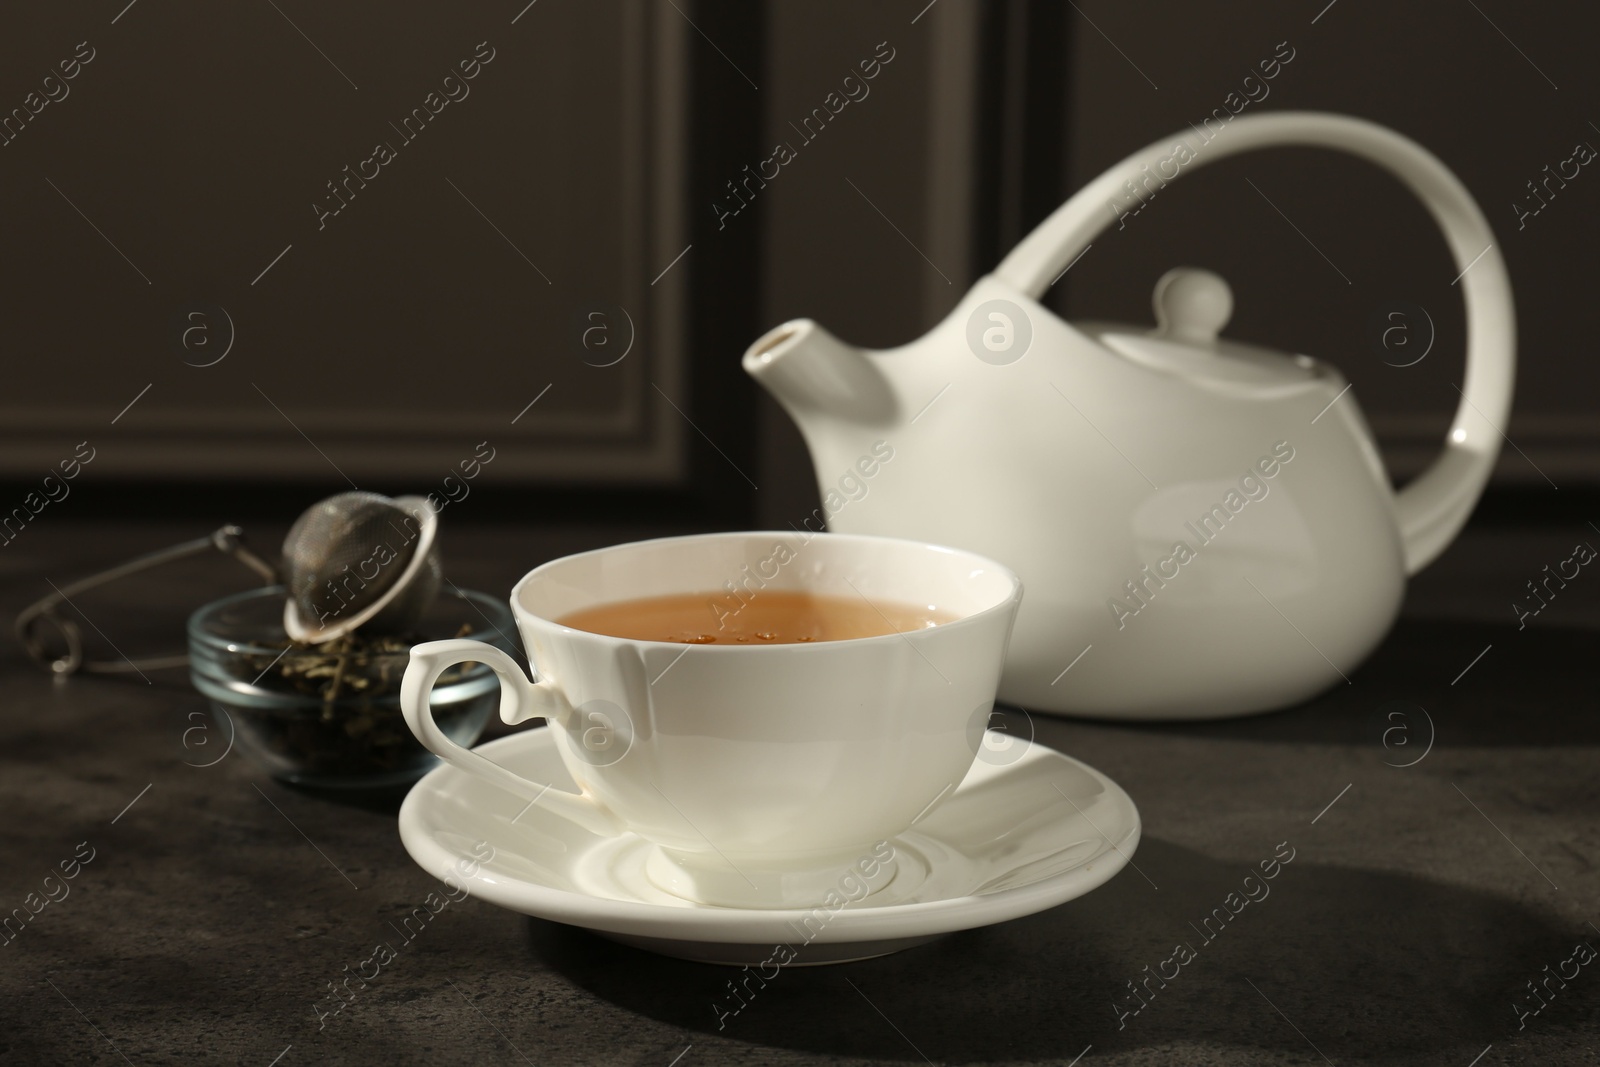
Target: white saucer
1013, 839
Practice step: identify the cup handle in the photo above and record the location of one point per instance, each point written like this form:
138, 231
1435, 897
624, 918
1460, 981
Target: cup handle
520, 700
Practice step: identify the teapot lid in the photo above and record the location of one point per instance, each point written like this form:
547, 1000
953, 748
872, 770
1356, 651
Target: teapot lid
1192, 306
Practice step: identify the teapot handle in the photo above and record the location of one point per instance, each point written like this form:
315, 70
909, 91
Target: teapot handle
1432, 509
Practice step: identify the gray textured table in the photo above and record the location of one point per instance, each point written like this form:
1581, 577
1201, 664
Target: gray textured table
1420, 904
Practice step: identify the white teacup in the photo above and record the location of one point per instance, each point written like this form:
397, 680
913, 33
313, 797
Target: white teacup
763, 773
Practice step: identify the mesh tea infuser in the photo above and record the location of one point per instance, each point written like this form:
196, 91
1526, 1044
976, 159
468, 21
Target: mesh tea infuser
360, 559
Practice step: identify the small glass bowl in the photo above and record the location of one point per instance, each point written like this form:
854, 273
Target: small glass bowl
332, 718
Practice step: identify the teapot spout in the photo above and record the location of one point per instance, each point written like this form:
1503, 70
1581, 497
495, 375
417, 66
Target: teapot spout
811, 372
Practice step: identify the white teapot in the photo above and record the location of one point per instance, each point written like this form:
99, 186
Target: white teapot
1203, 528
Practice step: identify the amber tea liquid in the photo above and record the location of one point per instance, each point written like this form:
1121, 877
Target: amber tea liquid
770, 617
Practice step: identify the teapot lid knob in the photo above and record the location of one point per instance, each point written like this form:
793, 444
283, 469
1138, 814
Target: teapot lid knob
1191, 305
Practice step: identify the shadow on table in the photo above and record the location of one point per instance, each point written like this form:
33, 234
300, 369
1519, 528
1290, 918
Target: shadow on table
1533, 687
1363, 964
382, 800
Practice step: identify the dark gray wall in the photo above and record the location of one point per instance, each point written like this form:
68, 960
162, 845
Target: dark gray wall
182, 166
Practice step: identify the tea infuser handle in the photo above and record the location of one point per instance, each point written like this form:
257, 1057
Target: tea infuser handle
520, 700
1431, 510
228, 539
